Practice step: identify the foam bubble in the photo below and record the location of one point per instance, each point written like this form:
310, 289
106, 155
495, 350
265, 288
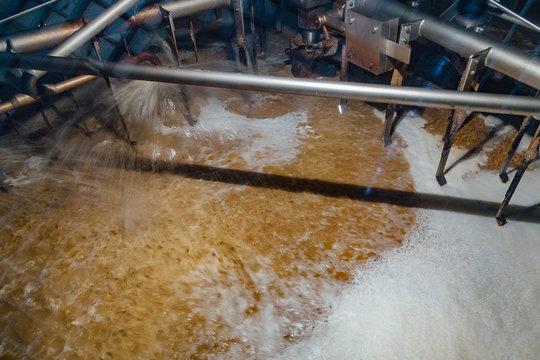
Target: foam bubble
445, 294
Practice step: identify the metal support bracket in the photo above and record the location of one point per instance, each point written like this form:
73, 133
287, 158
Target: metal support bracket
238, 9
253, 35
344, 71
343, 76
503, 175
531, 154
168, 21
95, 44
408, 32
193, 39
475, 64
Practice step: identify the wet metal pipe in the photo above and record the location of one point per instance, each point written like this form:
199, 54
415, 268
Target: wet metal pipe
501, 58
446, 99
92, 28
80, 37
50, 36
41, 39
21, 100
152, 14
190, 7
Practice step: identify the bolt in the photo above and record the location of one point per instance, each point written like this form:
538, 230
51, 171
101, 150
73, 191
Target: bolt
351, 3
407, 30
351, 20
473, 72
374, 29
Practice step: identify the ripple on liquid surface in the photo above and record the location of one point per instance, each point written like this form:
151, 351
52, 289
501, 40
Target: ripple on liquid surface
99, 261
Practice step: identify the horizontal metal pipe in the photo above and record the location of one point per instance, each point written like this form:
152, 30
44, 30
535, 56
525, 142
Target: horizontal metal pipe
50, 36
446, 99
190, 7
501, 58
27, 11
41, 39
80, 37
21, 100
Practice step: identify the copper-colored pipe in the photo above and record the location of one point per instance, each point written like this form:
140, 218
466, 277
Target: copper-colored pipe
41, 39
21, 100
152, 14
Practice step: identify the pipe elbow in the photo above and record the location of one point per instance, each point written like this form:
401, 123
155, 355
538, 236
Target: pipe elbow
29, 82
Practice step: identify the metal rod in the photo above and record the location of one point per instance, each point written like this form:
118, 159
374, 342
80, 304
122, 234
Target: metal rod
520, 19
81, 36
93, 28
41, 39
27, 11
503, 175
531, 154
20, 100
190, 7
50, 36
501, 58
445, 99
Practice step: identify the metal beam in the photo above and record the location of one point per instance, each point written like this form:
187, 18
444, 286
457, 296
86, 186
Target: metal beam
446, 99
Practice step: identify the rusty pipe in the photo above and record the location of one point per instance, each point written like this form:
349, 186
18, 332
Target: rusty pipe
21, 100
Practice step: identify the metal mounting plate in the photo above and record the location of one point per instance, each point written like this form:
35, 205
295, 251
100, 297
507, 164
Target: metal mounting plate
367, 40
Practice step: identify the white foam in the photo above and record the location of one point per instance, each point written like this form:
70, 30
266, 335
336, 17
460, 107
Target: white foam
459, 288
259, 142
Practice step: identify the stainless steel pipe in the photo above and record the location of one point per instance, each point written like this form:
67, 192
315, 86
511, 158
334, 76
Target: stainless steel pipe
41, 39
50, 36
501, 58
190, 7
80, 37
446, 99
94, 27
21, 100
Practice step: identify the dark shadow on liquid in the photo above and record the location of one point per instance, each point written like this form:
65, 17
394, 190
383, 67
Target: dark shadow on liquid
339, 190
